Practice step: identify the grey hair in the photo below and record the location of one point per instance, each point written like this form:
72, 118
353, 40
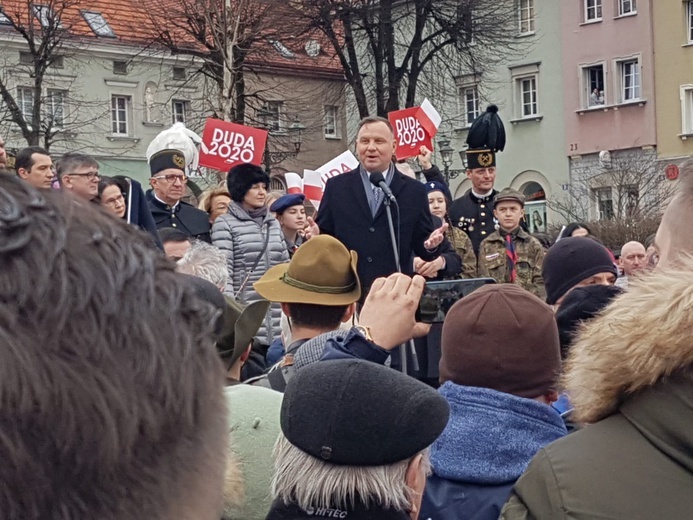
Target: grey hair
205, 261
70, 161
311, 483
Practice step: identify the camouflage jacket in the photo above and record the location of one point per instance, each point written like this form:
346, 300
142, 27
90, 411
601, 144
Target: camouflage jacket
493, 261
463, 245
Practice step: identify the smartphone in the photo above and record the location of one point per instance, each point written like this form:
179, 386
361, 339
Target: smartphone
438, 297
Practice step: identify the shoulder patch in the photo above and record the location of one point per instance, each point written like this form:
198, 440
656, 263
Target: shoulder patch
492, 257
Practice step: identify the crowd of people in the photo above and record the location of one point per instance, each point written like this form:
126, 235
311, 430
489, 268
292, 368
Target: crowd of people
243, 358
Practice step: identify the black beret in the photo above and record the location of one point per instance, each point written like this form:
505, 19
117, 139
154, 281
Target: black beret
358, 413
284, 202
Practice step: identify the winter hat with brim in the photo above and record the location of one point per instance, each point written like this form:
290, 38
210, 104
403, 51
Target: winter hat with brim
239, 327
504, 338
570, 261
582, 304
321, 272
242, 177
357, 413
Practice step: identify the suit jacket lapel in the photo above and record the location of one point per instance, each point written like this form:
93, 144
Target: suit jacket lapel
360, 194
396, 186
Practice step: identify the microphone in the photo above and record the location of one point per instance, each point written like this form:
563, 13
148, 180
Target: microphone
378, 180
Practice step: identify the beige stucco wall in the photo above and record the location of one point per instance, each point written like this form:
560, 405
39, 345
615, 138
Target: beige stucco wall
673, 68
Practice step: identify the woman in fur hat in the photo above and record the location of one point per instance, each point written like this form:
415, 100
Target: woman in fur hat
252, 240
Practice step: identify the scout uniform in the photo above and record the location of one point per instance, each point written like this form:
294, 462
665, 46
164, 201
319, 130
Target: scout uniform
470, 213
513, 257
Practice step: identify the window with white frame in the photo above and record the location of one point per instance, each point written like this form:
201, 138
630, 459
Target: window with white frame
629, 74
469, 104
120, 114
331, 123
528, 99
594, 92
25, 101
593, 10
604, 203
689, 21
55, 108
686, 93
626, 7
273, 116
179, 111
46, 17
526, 16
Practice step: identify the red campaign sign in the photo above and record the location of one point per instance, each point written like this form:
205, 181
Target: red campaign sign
227, 144
412, 131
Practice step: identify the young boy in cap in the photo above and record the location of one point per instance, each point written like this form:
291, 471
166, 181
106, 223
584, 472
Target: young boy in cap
499, 369
354, 443
510, 254
291, 214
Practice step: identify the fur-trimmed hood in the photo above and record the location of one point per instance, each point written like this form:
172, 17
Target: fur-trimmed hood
643, 336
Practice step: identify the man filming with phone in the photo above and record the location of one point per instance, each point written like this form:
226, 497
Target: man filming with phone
353, 209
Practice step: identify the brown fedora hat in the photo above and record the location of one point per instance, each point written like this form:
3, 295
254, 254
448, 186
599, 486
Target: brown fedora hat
321, 272
239, 326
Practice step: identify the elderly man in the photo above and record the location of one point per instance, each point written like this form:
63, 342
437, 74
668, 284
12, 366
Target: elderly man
168, 187
633, 261
337, 458
115, 367
35, 166
78, 173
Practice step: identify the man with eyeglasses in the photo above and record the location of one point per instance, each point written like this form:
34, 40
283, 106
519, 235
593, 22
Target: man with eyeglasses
79, 173
168, 183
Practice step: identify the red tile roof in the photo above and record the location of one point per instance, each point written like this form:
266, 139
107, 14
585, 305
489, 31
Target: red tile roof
133, 23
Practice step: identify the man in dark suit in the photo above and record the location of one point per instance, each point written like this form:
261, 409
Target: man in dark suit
352, 209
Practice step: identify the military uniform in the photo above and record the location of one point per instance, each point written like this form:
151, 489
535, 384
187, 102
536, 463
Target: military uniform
463, 245
493, 261
474, 216
183, 216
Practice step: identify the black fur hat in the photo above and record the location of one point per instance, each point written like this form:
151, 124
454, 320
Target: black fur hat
486, 137
242, 177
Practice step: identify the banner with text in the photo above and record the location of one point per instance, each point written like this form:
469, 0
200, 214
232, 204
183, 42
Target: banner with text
226, 144
414, 127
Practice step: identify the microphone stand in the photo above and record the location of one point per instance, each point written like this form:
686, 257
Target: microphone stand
395, 250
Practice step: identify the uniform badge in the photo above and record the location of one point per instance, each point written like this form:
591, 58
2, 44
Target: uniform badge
493, 256
179, 161
485, 159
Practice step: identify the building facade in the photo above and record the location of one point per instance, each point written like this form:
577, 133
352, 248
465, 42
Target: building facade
111, 89
609, 107
530, 95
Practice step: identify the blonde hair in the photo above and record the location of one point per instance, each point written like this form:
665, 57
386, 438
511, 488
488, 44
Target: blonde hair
205, 203
309, 482
272, 196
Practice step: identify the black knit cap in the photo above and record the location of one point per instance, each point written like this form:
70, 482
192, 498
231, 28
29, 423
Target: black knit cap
486, 137
571, 260
242, 177
357, 413
581, 304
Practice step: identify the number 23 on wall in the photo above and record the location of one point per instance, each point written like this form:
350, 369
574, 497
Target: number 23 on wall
573, 147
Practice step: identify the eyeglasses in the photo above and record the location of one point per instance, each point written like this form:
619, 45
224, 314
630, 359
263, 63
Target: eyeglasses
113, 201
172, 178
89, 175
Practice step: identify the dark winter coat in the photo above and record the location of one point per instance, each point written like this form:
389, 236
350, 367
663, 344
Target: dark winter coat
345, 214
184, 217
630, 379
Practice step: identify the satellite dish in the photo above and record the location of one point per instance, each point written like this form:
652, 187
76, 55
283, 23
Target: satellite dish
312, 48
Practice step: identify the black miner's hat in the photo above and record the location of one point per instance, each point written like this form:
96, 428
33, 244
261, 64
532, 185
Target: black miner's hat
486, 137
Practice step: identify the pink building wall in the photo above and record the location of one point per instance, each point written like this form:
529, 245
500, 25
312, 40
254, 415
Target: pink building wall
617, 124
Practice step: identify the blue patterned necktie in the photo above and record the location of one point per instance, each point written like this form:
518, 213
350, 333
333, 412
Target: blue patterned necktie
376, 199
